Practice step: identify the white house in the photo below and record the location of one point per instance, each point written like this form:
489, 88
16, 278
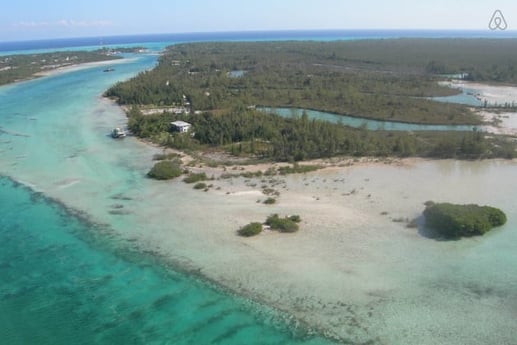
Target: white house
180, 126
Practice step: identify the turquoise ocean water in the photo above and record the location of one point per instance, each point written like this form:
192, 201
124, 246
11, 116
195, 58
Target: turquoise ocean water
64, 281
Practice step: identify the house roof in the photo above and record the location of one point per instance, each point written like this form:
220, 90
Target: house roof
181, 124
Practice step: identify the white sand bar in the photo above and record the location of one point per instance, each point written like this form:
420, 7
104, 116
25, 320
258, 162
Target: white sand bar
351, 270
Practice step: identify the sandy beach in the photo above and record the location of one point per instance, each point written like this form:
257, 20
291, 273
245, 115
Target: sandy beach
78, 67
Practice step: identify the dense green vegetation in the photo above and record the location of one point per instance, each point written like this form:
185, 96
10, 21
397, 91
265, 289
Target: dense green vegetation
200, 185
270, 201
19, 67
251, 229
243, 131
193, 178
298, 169
165, 170
383, 79
454, 221
164, 156
285, 224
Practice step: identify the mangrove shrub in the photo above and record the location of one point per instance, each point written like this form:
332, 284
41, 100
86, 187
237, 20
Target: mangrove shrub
454, 221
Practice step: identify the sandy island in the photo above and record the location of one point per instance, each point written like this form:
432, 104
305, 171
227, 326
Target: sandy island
78, 67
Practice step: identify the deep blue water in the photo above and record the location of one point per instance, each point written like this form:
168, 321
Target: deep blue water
321, 35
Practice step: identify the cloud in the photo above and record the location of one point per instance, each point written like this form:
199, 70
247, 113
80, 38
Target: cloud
84, 23
64, 23
31, 24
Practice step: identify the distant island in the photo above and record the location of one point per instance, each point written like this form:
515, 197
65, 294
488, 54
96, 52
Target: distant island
455, 221
26, 66
220, 88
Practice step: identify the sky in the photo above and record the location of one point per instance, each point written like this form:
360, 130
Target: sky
46, 19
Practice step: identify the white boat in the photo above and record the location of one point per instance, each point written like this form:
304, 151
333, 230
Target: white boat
118, 133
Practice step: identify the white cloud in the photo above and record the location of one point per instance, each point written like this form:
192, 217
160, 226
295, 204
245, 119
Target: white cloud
83, 23
31, 24
68, 23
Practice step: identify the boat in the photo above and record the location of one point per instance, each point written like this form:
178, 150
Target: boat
118, 133
109, 69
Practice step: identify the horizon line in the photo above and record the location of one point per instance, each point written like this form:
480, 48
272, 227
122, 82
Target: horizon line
252, 31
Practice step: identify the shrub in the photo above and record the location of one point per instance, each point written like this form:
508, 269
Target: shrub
251, 229
200, 185
281, 224
270, 172
250, 174
454, 221
295, 218
298, 169
164, 156
270, 201
165, 170
193, 178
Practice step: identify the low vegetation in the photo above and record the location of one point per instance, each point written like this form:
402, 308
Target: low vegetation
298, 169
165, 156
270, 201
200, 185
165, 170
285, 224
251, 229
274, 222
193, 178
455, 221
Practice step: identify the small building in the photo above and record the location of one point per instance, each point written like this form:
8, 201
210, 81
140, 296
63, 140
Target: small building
180, 126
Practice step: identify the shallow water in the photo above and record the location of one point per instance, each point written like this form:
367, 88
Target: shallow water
403, 285
357, 122
467, 97
65, 281
69, 281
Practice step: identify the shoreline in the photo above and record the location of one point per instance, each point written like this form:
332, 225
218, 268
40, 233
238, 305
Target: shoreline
292, 293
77, 67
67, 69
498, 120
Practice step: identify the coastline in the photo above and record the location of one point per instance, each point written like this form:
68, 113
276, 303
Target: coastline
77, 67
497, 120
322, 276
352, 271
